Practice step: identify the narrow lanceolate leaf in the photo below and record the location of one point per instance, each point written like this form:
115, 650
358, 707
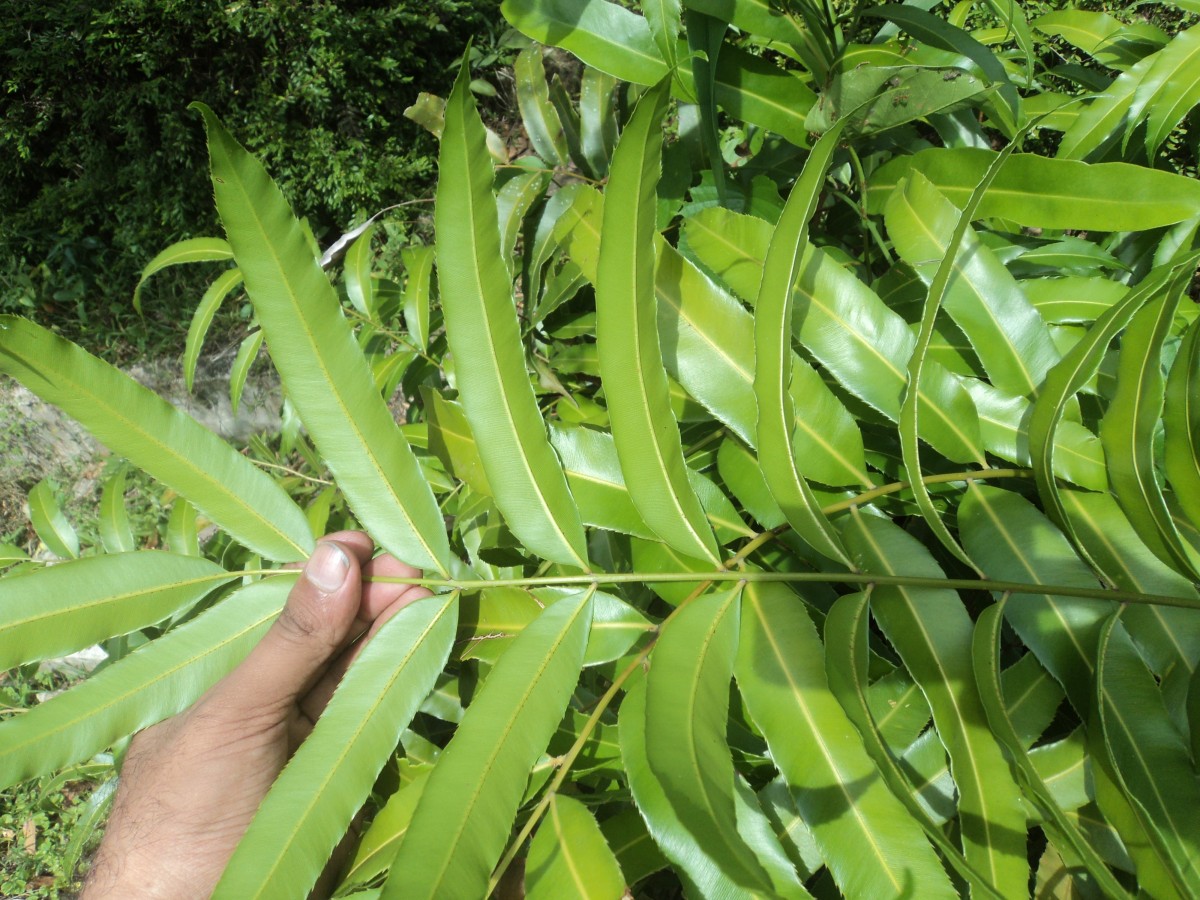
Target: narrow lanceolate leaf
695, 867
953, 282
240, 370
569, 857
378, 846
418, 265
687, 703
1169, 89
322, 368
606, 36
986, 655
202, 319
181, 533
984, 300
631, 367
313, 801
772, 358
847, 328
1151, 758
155, 681
1009, 539
597, 119
1042, 192
188, 251
708, 347
1105, 120
872, 846
172, 447
357, 272
1003, 421
466, 811
663, 17
931, 631
1074, 371
66, 607
1128, 433
50, 522
1181, 423
1168, 637
484, 336
846, 666
537, 113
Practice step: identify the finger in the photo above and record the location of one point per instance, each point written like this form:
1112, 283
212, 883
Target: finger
379, 595
309, 632
314, 702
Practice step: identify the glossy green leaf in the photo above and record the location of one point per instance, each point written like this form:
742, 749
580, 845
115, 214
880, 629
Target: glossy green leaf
1107, 40
597, 119
537, 114
687, 696
463, 818
1043, 192
1105, 120
761, 17
986, 659
663, 17
418, 264
321, 366
1181, 421
484, 336
1168, 637
705, 40
155, 681
182, 537
1169, 90
314, 799
66, 607
678, 844
870, 843
53, 527
186, 251
1003, 421
1072, 299
202, 318
1063, 381
150, 433
635, 383
357, 266
1128, 434
772, 358
846, 666
845, 326
604, 35
707, 343
631, 843
11, 553
374, 853
931, 631
246, 355
755, 90
931, 29
984, 300
515, 199
492, 619
1151, 758
1009, 539
569, 857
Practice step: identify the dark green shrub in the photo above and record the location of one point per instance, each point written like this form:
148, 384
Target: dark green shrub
100, 161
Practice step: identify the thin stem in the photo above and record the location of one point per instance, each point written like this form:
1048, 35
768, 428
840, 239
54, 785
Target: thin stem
944, 478
269, 465
956, 584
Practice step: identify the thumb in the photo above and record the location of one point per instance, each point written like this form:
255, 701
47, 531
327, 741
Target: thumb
309, 632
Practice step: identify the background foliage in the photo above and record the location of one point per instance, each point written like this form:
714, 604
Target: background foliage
99, 159
801, 433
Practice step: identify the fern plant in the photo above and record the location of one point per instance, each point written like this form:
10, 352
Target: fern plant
837, 544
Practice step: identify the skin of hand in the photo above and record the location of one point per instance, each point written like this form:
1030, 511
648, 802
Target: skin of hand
191, 784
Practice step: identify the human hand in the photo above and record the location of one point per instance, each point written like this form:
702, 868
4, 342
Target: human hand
191, 784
